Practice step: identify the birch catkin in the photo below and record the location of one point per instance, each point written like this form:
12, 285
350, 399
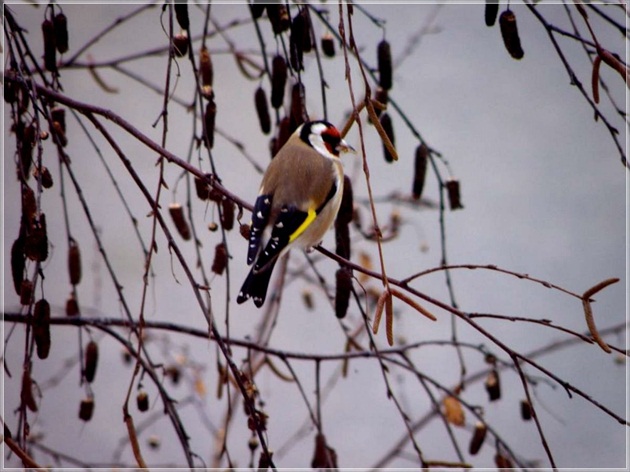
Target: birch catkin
509, 32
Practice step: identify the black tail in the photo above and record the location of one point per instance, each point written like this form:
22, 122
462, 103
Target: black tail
255, 285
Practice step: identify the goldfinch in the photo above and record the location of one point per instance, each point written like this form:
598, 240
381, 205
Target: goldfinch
298, 201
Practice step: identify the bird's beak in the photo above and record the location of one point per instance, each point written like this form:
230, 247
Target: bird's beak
345, 147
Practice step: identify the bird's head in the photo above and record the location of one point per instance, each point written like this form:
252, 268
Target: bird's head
324, 138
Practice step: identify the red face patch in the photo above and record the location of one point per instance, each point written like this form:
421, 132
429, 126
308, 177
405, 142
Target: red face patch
331, 138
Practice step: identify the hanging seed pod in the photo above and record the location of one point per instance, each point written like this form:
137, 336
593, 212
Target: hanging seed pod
43, 174
181, 13
381, 96
212, 227
245, 230
345, 214
491, 11
264, 460
60, 23
324, 457
307, 34
26, 145
420, 170
142, 400
58, 115
177, 215
91, 361
26, 393
296, 54
453, 411
74, 263
273, 146
284, 132
180, 44
300, 40
298, 105
453, 192
220, 259
388, 127
479, 435
502, 462
202, 189
342, 240
227, 214
206, 191
307, 298
395, 219
126, 355
206, 70
253, 443
342, 222
343, 290
257, 9
214, 194
262, 110
509, 32
86, 409
384, 58
493, 385
41, 328
278, 17
50, 50
72, 306
29, 207
154, 442
36, 242
209, 119
174, 373
328, 44
278, 81
18, 263
526, 410
58, 133
26, 292
24, 99
10, 90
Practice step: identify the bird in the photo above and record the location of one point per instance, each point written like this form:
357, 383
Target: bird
297, 203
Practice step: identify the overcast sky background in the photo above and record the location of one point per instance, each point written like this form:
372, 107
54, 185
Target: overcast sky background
544, 194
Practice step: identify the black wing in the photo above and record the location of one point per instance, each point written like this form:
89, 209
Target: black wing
260, 216
288, 221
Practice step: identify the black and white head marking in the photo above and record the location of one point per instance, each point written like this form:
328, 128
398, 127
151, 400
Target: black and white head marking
323, 137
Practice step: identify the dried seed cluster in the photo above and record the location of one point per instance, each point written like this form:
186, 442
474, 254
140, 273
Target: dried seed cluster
41, 328
478, 437
74, 263
388, 127
343, 278
91, 361
384, 59
509, 32
179, 220
220, 259
343, 220
420, 170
